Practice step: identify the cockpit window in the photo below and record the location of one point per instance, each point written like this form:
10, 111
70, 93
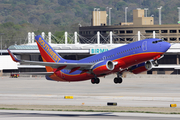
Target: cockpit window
157, 41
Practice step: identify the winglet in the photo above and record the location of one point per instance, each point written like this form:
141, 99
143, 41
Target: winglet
12, 56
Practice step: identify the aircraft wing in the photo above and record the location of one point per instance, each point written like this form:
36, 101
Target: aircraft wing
58, 65
63, 65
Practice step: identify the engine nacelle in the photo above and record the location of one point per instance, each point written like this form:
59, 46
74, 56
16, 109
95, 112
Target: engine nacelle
141, 67
103, 67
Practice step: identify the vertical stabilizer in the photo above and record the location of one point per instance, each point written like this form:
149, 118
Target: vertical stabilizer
46, 51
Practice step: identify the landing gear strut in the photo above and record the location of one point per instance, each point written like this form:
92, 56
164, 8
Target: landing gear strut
118, 79
155, 63
95, 81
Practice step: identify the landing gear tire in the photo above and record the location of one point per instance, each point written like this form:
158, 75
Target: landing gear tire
95, 81
115, 80
118, 80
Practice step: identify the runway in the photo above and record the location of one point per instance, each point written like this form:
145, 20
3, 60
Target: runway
134, 92
56, 115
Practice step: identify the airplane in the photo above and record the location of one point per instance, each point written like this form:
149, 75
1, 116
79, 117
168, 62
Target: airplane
135, 57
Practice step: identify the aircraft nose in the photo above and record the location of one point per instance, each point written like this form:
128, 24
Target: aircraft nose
167, 46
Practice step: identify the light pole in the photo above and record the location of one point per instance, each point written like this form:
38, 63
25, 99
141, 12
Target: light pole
160, 14
126, 15
110, 16
97, 15
94, 15
146, 9
1, 41
107, 14
179, 13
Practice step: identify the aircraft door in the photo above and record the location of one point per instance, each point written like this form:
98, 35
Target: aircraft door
144, 46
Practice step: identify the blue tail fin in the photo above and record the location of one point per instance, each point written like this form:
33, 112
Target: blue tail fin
47, 52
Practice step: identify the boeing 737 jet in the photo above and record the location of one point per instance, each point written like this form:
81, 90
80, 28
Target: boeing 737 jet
135, 57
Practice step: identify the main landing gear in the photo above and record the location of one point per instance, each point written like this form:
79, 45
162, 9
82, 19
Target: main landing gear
118, 79
95, 81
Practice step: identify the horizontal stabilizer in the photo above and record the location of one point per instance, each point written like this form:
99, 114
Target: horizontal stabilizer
34, 73
13, 56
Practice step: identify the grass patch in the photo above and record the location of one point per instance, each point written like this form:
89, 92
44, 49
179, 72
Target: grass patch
92, 109
9, 109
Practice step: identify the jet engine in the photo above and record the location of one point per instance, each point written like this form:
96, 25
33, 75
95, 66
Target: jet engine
141, 67
103, 67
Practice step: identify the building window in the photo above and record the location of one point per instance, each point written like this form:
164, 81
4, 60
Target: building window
129, 39
129, 31
173, 31
35, 58
151, 31
115, 31
168, 59
105, 32
122, 31
165, 39
87, 32
173, 39
116, 39
122, 39
163, 31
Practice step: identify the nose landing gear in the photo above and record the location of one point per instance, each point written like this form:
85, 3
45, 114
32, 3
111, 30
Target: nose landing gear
155, 63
